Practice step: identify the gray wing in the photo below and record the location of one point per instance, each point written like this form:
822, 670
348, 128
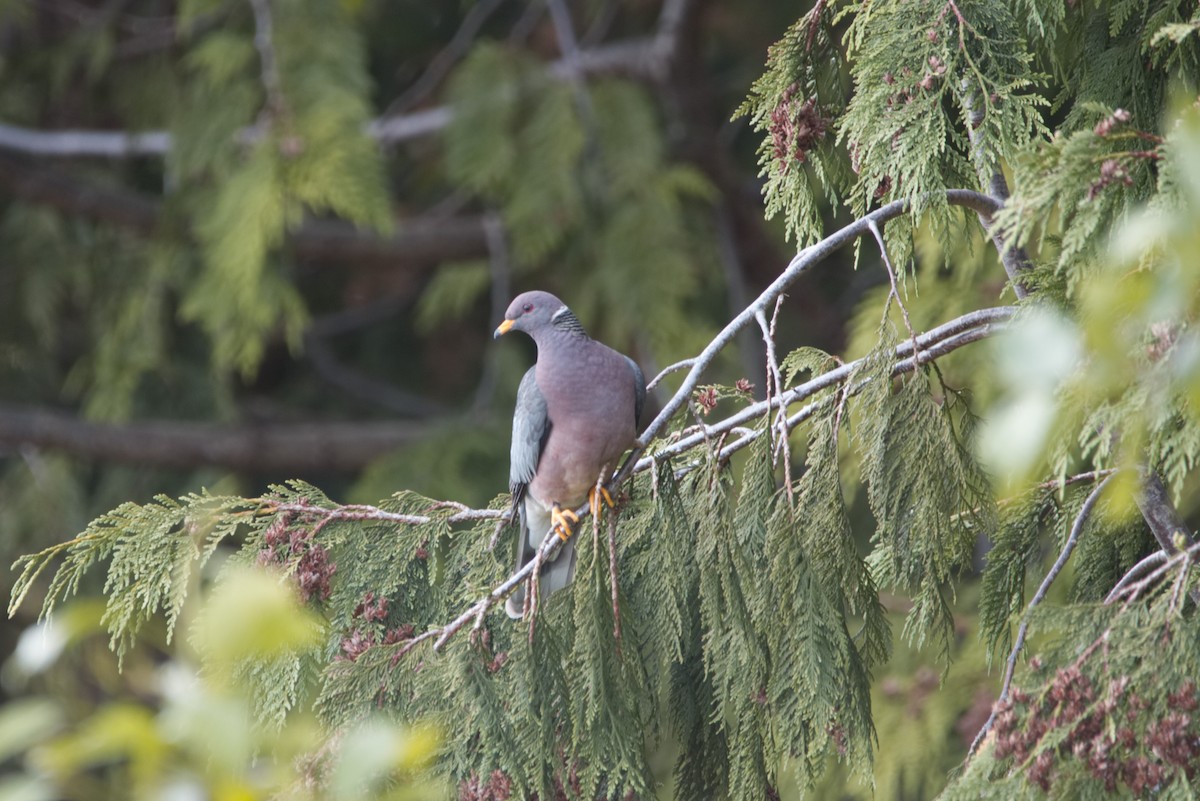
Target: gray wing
639, 386
531, 427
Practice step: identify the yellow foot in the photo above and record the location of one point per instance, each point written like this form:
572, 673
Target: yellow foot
595, 497
563, 519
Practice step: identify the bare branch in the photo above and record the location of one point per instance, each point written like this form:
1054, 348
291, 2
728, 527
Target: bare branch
295, 448
1131, 575
360, 512
670, 368
419, 241
264, 34
1069, 546
105, 144
798, 265
955, 333
1133, 588
1165, 522
636, 58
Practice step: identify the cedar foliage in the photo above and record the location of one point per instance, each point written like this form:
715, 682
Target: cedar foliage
750, 620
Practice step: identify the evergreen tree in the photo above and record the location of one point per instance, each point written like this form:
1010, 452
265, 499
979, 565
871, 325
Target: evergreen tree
733, 612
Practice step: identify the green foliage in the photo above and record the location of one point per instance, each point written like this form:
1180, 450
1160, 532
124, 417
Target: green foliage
705, 573
732, 622
927, 519
583, 182
205, 739
151, 551
941, 94
1108, 719
238, 176
312, 156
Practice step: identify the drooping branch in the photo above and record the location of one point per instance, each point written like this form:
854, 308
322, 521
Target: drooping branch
1011, 665
803, 261
937, 342
960, 332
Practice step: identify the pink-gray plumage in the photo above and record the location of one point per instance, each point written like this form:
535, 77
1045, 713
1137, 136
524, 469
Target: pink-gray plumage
577, 412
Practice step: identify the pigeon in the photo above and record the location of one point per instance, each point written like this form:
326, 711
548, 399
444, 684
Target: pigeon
577, 411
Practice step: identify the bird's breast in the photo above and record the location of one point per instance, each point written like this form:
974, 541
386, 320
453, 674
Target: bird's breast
591, 406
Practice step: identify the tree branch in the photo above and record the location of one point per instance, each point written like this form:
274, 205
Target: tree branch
272, 83
1069, 546
1165, 522
419, 241
1015, 259
644, 59
961, 331
278, 447
939, 341
446, 58
799, 264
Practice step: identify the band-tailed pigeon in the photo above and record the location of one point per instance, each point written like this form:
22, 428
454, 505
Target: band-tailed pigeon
577, 412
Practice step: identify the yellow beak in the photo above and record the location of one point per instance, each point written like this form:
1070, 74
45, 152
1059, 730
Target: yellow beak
502, 329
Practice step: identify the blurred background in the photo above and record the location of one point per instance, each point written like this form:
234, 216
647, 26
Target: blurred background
243, 241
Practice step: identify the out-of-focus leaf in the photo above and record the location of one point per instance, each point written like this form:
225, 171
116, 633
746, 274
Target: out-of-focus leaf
378, 750
253, 615
26, 788
26, 722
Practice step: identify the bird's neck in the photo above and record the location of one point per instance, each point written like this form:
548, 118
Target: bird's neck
564, 321
547, 338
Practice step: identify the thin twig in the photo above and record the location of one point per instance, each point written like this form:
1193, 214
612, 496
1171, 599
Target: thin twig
1133, 589
1144, 564
774, 389
895, 290
1069, 546
441, 64
264, 35
799, 264
365, 512
636, 58
612, 578
671, 368
498, 263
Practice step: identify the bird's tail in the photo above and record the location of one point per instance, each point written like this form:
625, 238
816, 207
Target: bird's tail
556, 574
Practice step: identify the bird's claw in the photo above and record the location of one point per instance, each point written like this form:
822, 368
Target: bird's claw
597, 494
562, 520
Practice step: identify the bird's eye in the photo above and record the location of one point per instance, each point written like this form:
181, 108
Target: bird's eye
528, 307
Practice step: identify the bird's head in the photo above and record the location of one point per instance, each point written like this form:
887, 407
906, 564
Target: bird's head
536, 312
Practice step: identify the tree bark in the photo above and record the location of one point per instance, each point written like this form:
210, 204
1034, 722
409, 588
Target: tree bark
291, 448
